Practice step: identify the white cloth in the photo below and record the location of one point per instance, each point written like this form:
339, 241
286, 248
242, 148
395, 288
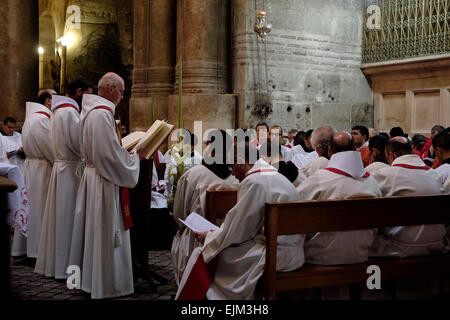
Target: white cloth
100, 243
311, 167
302, 159
57, 225
36, 173
297, 149
18, 203
286, 153
191, 197
158, 200
14, 143
238, 246
366, 144
375, 166
411, 240
3, 156
443, 171
331, 248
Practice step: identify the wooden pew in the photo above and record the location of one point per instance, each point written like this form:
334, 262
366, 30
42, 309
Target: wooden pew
218, 203
345, 215
6, 186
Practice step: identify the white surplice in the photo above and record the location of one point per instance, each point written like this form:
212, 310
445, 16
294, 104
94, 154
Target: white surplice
3, 156
331, 248
375, 166
36, 175
100, 243
56, 234
311, 167
191, 197
238, 246
444, 172
399, 181
14, 143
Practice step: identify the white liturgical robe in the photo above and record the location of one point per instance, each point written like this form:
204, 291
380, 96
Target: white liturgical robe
191, 197
347, 182
100, 243
36, 175
238, 246
3, 156
14, 143
444, 172
408, 175
311, 167
56, 234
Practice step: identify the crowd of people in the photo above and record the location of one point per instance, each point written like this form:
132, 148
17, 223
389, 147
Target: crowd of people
77, 176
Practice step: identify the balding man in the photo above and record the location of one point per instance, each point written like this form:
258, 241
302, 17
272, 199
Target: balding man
320, 141
407, 176
100, 242
37, 170
343, 178
56, 234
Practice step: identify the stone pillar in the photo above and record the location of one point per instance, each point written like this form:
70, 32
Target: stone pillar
154, 60
19, 70
203, 42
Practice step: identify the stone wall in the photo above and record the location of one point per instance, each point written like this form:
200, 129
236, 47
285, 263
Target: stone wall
313, 64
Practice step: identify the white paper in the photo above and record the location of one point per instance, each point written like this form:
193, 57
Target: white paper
197, 223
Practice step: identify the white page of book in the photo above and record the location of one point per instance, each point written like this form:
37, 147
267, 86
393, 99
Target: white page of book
151, 132
132, 139
197, 223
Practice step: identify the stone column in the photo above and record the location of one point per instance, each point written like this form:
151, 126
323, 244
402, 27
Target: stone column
202, 40
154, 60
19, 70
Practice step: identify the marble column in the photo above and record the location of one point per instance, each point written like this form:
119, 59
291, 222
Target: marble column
203, 42
154, 59
19, 68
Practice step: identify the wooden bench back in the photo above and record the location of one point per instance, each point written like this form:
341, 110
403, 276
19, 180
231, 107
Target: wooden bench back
218, 203
345, 215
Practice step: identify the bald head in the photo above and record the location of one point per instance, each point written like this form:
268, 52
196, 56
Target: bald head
397, 147
321, 140
342, 141
44, 97
111, 87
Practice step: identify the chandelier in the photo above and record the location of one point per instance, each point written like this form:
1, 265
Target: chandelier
261, 27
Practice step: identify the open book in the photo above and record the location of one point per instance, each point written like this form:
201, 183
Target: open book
150, 140
197, 223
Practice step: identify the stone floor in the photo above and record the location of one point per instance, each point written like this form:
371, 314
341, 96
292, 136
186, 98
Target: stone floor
27, 285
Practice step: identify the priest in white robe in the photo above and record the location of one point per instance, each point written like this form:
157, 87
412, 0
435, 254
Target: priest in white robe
320, 141
37, 170
100, 243
56, 234
408, 175
13, 143
343, 178
190, 197
237, 248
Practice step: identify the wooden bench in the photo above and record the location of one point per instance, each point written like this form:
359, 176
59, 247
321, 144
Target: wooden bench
218, 203
345, 215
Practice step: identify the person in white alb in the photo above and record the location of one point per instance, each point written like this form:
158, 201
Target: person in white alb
237, 249
56, 233
100, 242
13, 143
37, 170
408, 175
191, 197
343, 178
441, 146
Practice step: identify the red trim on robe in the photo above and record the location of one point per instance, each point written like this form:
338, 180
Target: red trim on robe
366, 174
66, 105
45, 114
407, 166
260, 170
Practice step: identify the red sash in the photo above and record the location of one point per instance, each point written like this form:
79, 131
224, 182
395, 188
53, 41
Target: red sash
124, 194
198, 282
45, 114
66, 105
407, 166
366, 175
261, 170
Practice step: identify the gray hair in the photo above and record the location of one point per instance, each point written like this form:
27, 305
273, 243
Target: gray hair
321, 138
109, 79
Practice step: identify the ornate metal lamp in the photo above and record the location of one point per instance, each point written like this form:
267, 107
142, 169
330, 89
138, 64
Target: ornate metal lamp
261, 27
